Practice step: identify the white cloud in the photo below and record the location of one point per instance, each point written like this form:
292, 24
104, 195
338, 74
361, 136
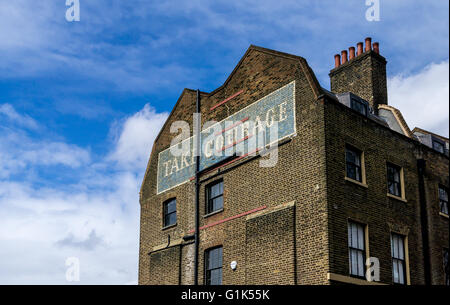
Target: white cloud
423, 98
30, 20
7, 111
136, 138
95, 219
20, 152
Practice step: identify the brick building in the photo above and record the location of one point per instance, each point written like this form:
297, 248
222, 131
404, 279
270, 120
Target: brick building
351, 182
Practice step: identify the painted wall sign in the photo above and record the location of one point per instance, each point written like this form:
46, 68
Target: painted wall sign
264, 122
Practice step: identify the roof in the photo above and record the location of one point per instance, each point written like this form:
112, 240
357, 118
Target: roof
417, 129
400, 119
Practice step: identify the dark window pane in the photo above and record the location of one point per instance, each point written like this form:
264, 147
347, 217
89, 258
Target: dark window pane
358, 106
218, 257
360, 271
170, 212
443, 200
218, 203
214, 197
398, 258
401, 272
438, 146
394, 173
397, 176
353, 163
357, 174
356, 249
213, 266
215, 190
216, 277
212, 259
443, 195
393, 176
351, 172
353, 262
444, 207
395, 270
171, 219
397, 191
171, 206
350, 156
390, 174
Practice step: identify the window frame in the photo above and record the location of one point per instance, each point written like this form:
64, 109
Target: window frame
361, 167
434, 141
401, 182
442, 200
207, 271
364, 251
209, 200
354, 101
405, 260
165, 213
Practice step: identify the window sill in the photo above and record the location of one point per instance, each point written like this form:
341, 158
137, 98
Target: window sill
213, 213
443, 215
397, 198
356, 182
169, 226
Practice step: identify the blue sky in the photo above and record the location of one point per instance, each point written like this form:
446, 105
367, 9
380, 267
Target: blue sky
81, 102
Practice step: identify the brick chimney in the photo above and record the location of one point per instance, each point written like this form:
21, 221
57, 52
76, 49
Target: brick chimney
363, 74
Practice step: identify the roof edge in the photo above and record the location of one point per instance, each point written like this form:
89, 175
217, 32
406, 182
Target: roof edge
429, 132
400, 119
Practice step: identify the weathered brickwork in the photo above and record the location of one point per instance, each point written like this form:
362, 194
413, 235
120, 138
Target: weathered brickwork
365, 76
165, 262
270, 248
436, 173
370, 205
288, 224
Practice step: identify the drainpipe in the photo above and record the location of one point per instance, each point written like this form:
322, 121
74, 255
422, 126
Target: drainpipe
424, 221
197, 188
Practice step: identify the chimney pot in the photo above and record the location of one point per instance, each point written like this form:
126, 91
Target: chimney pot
376, 47
344, 56
359, 45
337, 60
368, 44
364, 75
351, 52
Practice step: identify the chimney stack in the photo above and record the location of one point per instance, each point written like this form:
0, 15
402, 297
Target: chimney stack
344, 56
352, 52
337, 60
376, 47
364, 73
359, 45
368, 44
